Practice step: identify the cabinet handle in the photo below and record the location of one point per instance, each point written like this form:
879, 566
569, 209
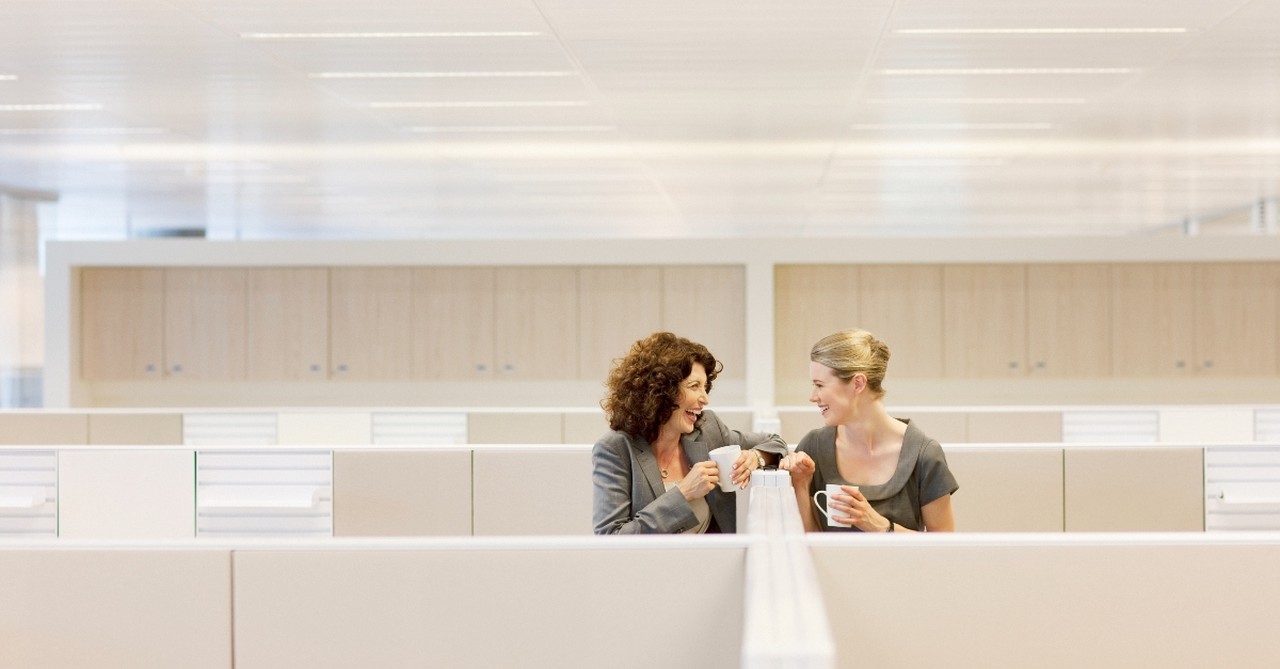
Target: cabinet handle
176, 369
1013, 364
342, 368
482, 367
508, 368
1180, 364
1208, 364
314, 368
150, 368
1039, 364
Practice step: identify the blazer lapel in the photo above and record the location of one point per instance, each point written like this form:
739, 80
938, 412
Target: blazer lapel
649, 466
695, 447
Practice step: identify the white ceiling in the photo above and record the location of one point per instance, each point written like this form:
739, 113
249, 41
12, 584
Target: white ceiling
665, 118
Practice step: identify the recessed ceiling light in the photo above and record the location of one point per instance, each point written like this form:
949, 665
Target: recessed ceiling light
435, 75
511, 128
1038, 31
1004, 70
479, 103
83, 131
386, 35
951, 126
978, 101
53, 107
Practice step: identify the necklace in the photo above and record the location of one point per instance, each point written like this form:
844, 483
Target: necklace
662, 469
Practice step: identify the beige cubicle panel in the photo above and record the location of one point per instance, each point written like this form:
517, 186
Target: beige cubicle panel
991, 427
532, 606
515, 427
126, 494
532, 491
136, 429
584, 427
401, 493
1051, 605
797, 422
1007, 489
140, 608
1114, 489
948, 427
40, 428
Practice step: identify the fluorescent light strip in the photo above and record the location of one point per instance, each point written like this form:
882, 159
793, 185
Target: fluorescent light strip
951, 126
453, 105
82, 131
8, 77
922, 162
386, 35
1005, 70
53, 107
978, 101
1040, 31
434, 75
511, 128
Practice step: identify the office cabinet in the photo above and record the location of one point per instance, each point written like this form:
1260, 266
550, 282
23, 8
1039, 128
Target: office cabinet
985, 311
287, 324
617, 306
453, 314
121, 323
535, 334
810, 302
1069, 320
1153, 315
370, 324
902, 306
204, 324
708, 305
1235, 323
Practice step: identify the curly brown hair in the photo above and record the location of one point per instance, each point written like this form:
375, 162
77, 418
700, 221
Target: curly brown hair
644, 386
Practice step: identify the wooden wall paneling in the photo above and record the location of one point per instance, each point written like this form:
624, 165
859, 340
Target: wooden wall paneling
617, 306
121, 323
1235, 323
204, 323
810, 302
707, 304
453, 312
985, 312
370, 326
1152, 319
902, 306
287, 324
1069, 320
536, 323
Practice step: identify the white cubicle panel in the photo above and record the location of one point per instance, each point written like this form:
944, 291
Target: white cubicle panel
1242, 487
1057, 602
334, 428
110, 493
1007, 488
28, 493
71, 608
532, 490
264, 492
595, 602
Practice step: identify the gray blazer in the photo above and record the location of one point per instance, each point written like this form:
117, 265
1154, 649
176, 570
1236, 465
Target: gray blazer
628, 494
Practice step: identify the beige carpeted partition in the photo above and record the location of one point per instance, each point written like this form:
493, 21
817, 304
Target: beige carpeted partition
1051, 601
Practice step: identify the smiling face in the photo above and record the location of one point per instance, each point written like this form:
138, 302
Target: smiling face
693, 397
836, 399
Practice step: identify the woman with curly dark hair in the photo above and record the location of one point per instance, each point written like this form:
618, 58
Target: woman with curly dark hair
651, 472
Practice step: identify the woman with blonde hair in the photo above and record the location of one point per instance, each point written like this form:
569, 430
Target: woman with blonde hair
892, 477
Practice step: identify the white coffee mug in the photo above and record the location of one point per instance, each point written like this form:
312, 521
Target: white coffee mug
725, 457
834, 518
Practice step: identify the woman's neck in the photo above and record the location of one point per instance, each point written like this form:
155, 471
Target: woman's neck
872, 426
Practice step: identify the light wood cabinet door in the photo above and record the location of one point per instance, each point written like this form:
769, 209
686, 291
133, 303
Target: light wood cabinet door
536, 323
1069, 320
985, 312
1152, 319
617, 306
902, 306
204, 324
370, 323
287, 324
708, 305
453, 323
121, 323
1235, 325
809, 303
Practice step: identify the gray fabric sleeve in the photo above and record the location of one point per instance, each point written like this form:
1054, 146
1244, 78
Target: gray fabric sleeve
936, 479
